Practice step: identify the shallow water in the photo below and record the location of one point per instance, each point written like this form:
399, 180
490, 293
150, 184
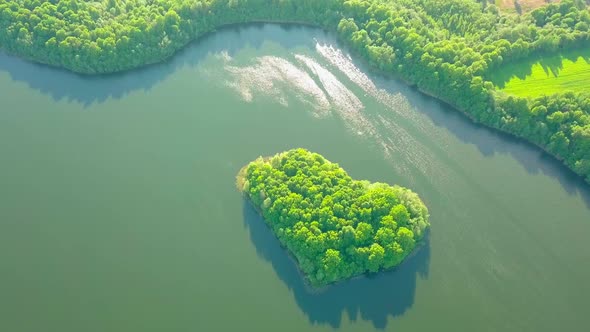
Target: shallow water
118, 209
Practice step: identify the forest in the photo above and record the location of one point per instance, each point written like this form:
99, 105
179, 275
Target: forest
334, 226
447, 49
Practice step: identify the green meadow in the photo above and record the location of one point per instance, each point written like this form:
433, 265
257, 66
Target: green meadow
545, 75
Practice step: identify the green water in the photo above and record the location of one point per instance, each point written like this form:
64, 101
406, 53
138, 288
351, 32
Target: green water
118, 210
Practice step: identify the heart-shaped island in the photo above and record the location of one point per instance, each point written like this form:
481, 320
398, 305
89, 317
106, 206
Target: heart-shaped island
335, 227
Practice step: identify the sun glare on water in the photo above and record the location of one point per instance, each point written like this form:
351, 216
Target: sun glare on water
333, 86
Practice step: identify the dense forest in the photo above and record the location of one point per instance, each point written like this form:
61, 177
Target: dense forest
336, 227
447, 49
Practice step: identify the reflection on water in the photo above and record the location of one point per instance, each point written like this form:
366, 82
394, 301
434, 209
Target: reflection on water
87, 90
375, 298
396, 102
316, 83
276, 77
411, 114
344, 102
508, 229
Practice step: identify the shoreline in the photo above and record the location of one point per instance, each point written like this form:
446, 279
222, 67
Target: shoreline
197, 38
504, 132
240, 180
385, 74
322, 288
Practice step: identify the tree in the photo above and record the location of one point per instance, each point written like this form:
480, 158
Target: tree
331, 247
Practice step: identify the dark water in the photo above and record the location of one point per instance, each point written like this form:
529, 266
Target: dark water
118, 210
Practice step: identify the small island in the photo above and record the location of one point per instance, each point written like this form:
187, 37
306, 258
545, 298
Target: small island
334, 226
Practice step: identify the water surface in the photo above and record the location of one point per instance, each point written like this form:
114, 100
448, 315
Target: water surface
118, 209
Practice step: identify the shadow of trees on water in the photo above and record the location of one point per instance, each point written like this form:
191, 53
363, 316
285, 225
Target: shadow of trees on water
61, 84
488, 141
491, 142
374, 298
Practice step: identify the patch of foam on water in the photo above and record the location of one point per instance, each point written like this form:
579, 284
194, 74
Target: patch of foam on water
245, 93
272, 76
224, 55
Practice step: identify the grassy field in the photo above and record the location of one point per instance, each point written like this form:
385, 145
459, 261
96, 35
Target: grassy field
546, 74
525, 5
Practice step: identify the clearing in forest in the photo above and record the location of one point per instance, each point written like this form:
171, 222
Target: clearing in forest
545, 75
525, 5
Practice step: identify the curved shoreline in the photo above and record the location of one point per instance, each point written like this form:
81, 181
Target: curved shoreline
174, 53
309, 286
300, 23
505, 132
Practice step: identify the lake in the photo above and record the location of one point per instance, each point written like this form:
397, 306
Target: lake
119, 211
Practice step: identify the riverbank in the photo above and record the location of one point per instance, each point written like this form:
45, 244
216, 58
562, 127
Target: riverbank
470, 116
366, 66
395, 38
506, 132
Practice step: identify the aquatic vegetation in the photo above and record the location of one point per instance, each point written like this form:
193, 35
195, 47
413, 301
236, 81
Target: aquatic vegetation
335, 227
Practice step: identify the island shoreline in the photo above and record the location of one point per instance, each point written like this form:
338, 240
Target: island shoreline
309, 286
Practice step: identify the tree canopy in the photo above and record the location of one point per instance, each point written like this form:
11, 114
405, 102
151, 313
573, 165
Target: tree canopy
447, 49
334, 226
